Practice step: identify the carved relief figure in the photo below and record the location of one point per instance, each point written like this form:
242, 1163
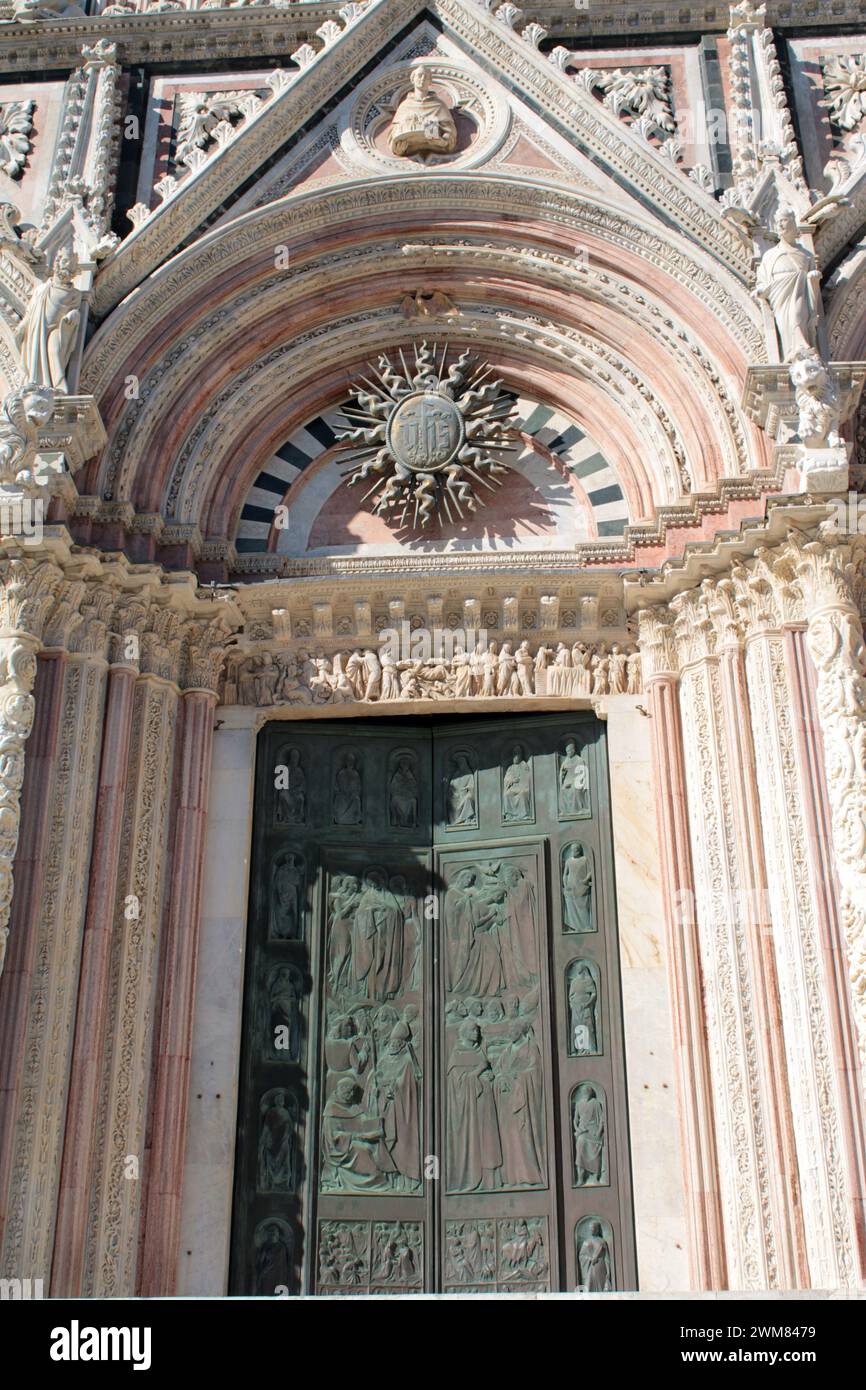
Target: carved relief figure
517, 788
593, 1248
342, 901
287, 904
521, 1249
460, 792
291, 798
348, 791
520, 1102
281, 1015
590, 1136
422, 123
397, 1253
474, 1154
377, 939
403, 793
577, 912
272, 1261
46, 335
583, 1009
277, 1132
789, 281
573, 784
398, 1078
354, 1156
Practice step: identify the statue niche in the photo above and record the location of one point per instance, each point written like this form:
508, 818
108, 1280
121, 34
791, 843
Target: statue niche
422, 123
287, 897
593, 1248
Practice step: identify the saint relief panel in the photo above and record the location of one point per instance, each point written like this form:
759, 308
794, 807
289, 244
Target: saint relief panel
290, 789
518, 797
357, 1257
573, 782
497, 1256
373, 1095
273, 1250
461, 791
495, 1114
280, 1020
347, 798
287, 896
577, 887
593, 1255
589, 1133
584, 1009
403, 789
278, 1129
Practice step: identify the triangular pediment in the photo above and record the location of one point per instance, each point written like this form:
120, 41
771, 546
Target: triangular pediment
318, 124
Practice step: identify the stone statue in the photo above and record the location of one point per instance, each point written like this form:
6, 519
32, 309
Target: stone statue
817, 402
789, 281
590, 1137
594, 1262
46, 335
422, 123
573, 784
577, 890
517, 788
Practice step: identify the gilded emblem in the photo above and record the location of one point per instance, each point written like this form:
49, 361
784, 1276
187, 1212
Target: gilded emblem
429, 438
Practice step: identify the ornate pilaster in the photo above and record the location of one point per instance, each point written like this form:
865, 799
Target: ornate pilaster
118, 1169
830, 573
767, 601
695, 1092
38, 1120
26, 598
753, 1223
205, 654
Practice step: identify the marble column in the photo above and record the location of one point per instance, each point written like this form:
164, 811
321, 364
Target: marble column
816, 1104
116, 1197
93, 989
698, 1139
17, 979
40, 1113
171, 1081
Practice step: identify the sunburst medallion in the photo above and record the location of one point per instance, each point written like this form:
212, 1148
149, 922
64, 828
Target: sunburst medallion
431, 439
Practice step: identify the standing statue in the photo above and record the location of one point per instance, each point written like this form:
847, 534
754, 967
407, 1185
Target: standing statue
46, 335
422, 123
789, 281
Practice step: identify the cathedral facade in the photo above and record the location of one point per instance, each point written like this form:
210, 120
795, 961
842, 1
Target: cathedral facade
433, 699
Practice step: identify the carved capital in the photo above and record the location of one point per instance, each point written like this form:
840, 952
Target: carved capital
656, 640
207, 646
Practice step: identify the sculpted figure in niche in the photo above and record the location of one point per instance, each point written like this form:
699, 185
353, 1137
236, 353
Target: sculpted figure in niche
590, 1138
789, 281
276, 1144
583, 1010
573, 784
46, 335
292, 798
517, 788
403, 794
577, 890
282, 1037
287, 907
594, 1262
422, 123
474, 1143
273, 1257
347, 792
461, 792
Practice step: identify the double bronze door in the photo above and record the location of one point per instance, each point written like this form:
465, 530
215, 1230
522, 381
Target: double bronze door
432, 1090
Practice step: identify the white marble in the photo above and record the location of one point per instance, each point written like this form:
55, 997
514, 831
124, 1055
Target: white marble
659, 1199
210, 1153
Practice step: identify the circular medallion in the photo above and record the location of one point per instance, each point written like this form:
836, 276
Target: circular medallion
425, 431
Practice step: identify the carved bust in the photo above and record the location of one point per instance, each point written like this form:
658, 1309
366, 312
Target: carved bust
422, 123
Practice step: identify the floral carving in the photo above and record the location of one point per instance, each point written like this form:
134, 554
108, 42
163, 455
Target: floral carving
845, 88
16, 123
642, 96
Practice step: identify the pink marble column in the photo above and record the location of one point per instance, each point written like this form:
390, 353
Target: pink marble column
68, 1263
15, 982
165, 1161
810, 752
755, 913
707, 1241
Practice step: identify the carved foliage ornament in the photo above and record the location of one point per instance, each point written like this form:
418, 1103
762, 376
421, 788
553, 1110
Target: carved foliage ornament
845, 86
428, 440
16, 123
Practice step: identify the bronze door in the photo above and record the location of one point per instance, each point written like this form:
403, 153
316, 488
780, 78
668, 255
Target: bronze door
432, 1087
